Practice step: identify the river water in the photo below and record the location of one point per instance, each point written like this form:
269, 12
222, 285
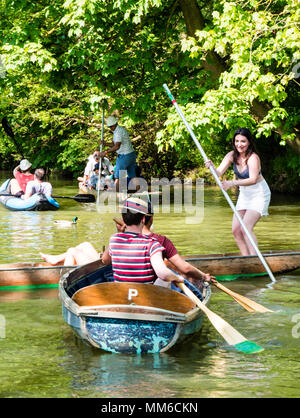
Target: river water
40, 356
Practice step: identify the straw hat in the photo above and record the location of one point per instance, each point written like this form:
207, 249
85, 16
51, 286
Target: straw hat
136, 205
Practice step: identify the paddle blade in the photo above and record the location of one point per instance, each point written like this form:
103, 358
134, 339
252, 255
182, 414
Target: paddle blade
249, 347
230, 334
85, 198
246, 303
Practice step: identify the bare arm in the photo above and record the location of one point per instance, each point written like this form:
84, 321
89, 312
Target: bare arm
106, 258
162, 271
227, 161
186, 268
16, 169
115, 147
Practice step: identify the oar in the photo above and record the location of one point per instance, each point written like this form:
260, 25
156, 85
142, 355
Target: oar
230, 335
82, 198
246, 303
9, 132
198, 145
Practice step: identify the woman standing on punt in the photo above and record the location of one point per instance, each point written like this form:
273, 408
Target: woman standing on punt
254, 193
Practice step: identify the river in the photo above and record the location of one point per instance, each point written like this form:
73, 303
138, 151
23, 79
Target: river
40, 356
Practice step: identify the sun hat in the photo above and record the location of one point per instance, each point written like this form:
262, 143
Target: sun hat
111, 121
25, 165
136, 205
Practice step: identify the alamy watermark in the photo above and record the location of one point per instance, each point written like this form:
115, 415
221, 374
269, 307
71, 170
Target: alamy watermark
167, 196
2, 327
296, 328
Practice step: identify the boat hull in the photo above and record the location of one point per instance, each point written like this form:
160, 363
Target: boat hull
130, 328
30, 275
234, 266
223, 266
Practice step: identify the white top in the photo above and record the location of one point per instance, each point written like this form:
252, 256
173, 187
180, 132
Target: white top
34, 186
121, 135
89, 168
106, 166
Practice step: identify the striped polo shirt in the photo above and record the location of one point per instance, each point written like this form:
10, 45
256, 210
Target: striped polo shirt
130, 253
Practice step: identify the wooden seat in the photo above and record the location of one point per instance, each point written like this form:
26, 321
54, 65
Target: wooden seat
124, 294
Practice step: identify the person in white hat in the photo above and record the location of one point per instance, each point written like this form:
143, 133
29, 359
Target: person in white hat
126, 159
22, 176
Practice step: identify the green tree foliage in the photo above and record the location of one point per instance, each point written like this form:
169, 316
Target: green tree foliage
229, 64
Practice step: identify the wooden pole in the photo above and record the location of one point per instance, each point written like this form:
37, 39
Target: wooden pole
213, 171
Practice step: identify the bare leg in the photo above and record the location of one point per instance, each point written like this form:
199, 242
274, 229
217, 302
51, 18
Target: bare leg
88, 250
14, 186
237, 231
250, 218
80, 256
54, 259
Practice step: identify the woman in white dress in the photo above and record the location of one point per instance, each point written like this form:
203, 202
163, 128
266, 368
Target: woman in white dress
254, 193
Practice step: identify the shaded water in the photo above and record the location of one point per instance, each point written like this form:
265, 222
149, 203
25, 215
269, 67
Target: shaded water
40, 357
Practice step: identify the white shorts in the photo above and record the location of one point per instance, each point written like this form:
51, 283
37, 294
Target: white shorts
255, 197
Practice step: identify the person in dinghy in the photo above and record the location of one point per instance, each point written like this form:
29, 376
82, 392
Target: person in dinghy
22, 176
86, 253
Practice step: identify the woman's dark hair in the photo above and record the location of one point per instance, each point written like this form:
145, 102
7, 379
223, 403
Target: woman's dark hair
251, 148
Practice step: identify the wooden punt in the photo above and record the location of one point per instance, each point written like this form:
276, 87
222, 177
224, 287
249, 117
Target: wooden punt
129, 318
224, 266
234, 266
29, 275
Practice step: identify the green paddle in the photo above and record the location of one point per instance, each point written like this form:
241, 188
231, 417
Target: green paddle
230, 335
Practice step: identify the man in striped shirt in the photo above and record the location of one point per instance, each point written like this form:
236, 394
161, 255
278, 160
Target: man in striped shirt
136, 257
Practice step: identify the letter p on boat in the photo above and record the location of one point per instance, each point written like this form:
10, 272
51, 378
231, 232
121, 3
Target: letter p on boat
132, 293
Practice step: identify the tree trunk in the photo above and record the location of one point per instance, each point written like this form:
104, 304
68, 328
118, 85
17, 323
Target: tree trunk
194, 21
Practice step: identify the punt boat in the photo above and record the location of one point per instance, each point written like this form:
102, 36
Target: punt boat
129, 318
37, 201
224, 266
232, 266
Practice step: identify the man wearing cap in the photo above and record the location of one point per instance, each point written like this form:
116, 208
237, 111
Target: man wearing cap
126, 159
136, 257
22, 176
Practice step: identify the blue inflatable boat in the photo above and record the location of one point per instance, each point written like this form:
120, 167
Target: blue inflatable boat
35, 202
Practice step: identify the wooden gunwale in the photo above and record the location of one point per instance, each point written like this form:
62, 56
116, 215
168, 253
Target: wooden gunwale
30, 275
